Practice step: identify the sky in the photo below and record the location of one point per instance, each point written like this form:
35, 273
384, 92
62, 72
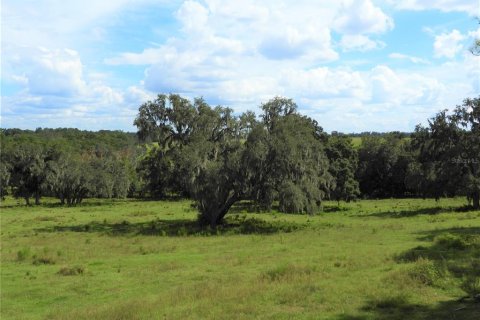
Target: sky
353, 65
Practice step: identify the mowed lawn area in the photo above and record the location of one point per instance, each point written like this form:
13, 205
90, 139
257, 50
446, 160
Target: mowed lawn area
129, 259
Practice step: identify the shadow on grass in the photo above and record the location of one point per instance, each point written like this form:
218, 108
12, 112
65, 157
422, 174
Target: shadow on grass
251, 207
172, 228
421, 211
93, 203
246, 207
456, 251
400, 309
448, 245
334, 208
89, 202
410, 213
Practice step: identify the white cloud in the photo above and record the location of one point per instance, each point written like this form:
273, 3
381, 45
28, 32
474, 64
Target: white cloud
48, 72
412, 59
147, 57
293, 43
266, 30
193, 16
396, 88
362, 16
359, 43
474, 34
448, 44
323, 83
57, 91
469, 6
30, 23
236, 53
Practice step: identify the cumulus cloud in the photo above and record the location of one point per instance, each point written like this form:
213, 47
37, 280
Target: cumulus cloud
235, 53
56, 90
324, 83
231, 28
48, 72
448, 44
388, 86
362, 16
193, 16
293, 43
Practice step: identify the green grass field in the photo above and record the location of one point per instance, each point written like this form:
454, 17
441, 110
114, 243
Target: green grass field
384, 259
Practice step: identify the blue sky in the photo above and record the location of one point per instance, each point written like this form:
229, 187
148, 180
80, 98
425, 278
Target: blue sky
353, 65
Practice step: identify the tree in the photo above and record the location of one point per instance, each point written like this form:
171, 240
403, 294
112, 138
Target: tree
205, 145
383, 164
343, 165
4, 178
475, 49
157, 169
448, 152
285, 160
71, 180
110, 177
220, 158
467, 118
29, 171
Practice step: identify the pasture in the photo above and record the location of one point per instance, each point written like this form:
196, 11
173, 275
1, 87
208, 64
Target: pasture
130, 259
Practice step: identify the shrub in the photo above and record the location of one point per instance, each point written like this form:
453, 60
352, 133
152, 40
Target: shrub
426, 272
43, 260
71, 271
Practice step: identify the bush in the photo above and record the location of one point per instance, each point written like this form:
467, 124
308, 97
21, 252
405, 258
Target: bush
71, 271
43, 260
426, 272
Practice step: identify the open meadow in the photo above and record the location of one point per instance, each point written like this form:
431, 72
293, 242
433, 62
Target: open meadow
130, 259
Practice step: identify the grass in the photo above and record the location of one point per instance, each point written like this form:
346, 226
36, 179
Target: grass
127, 259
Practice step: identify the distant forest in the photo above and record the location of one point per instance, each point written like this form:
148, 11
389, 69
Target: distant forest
190, 149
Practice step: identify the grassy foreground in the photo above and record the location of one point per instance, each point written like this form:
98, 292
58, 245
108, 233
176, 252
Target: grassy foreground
384, 259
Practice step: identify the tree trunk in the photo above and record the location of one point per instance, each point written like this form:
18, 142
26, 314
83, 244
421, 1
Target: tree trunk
27, 201
37, 199
224, 209
476, 200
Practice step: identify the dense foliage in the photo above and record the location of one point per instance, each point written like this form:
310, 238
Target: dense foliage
280, 158
218, 158
449, 153
67, 163
343, 166
383, 163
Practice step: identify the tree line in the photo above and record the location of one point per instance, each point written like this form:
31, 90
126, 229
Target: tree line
69, 164
209, 154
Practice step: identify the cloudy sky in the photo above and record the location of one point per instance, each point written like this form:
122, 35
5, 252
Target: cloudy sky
353, 65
